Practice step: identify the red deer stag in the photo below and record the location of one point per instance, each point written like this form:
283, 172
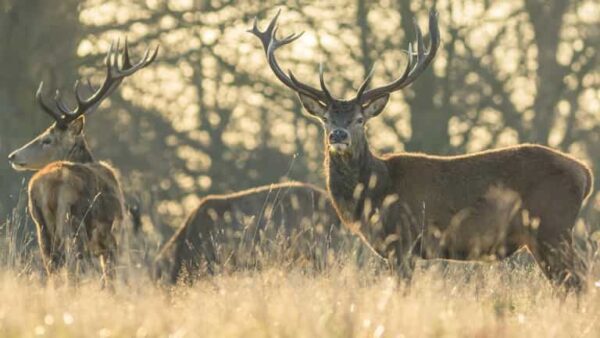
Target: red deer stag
373, 194
291, 223
76, 201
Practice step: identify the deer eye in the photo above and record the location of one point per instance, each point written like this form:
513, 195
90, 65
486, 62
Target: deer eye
46, 141
324, 119
360, 120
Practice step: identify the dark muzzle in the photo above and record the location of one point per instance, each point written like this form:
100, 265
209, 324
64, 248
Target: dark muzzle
338, 136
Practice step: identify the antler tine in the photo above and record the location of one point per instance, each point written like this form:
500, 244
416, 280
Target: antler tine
276, 43
153, 55
413, 69
365, 82
59, 118
266, 35
126, 60
424, 58
91, 90
87, 90
296, 84
322, 82
109, 55
112, 58
419, 37
127, 68
270, 44
118, 66
60, 104
78, 95
88, 87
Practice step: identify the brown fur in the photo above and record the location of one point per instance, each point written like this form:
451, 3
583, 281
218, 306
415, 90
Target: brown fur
75, 207
465, 237
397, 201
437, 191
291, 222
76, 202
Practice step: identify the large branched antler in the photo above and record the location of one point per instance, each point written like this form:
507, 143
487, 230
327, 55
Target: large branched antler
413, 69
118, 66
270, 43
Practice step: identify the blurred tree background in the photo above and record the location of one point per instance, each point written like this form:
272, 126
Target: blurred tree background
210, 117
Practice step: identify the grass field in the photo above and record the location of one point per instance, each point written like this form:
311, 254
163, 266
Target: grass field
345, 302
443, 300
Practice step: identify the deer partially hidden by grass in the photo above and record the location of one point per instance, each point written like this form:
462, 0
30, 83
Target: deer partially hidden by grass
287, 223
75, 200
409, 204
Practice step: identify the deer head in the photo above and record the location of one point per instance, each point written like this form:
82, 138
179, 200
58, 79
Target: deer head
344, 120
61, 139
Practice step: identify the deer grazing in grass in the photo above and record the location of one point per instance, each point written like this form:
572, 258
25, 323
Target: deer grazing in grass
288, 223
75, 200
408, 205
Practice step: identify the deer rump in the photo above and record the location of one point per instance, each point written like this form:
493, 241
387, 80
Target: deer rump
76, 207
285, 224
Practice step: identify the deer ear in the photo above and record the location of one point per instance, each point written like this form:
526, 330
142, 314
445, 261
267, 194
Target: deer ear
312, 105
76, 126
374, 107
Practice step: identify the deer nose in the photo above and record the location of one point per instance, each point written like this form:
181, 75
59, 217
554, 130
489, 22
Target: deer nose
11, 157
338, 136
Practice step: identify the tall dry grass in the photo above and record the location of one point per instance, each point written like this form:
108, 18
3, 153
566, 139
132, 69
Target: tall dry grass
510, 299
344, 302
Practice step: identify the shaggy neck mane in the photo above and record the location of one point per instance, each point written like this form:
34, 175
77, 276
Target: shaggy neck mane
350, 180
80, 153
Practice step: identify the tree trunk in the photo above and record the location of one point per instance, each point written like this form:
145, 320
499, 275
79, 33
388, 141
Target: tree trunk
546, 18
38, 41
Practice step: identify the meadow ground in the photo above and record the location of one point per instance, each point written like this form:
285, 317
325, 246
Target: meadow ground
485, 301
508, 299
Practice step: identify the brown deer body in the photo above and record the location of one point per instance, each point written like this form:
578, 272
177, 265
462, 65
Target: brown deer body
462, 207
433, 190
291, 223
76, 201
75, 204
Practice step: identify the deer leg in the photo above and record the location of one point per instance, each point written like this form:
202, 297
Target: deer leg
68, 223
209, 254
50, 257
553, 247
170, 264
178, 258
189, 259
107, 265
107, 261
49, 244
102, 245
559, 262
402, 254
78, 253
557, 258
183, 261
